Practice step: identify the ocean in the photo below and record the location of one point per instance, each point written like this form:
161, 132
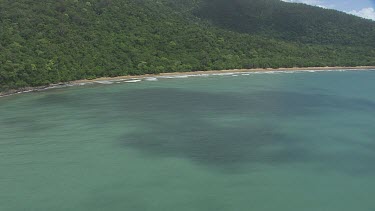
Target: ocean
243, 141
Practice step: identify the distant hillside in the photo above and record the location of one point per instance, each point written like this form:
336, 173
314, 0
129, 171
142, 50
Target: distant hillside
288, 21
49, 41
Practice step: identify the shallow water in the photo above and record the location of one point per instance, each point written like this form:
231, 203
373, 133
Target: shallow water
300, 141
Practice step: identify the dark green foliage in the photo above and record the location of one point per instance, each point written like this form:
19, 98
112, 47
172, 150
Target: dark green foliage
288, 21
49, 41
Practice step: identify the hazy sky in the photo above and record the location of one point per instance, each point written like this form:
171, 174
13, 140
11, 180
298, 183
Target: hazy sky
362, 8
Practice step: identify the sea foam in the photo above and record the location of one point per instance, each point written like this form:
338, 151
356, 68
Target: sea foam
151, 79
133, 81
104, 82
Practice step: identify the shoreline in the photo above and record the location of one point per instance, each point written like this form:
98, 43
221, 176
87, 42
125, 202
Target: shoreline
136, 78
211, 72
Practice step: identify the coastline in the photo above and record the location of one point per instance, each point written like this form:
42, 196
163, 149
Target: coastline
136, 78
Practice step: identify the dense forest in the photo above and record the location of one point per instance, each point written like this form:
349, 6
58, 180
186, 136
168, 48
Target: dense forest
49, 41
289, 21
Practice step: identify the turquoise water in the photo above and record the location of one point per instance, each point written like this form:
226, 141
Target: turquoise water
265, 142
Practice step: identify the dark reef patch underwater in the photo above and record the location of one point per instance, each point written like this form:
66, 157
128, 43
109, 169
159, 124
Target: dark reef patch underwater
300, 141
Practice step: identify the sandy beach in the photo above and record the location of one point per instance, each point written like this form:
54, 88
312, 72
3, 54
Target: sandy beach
210, 72
135, 78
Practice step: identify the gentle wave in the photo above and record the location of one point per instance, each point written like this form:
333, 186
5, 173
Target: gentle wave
222, 74
151, 79
133, 81
104, 82
176, 76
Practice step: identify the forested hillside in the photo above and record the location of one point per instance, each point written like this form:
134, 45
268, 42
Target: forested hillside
49, 41
288, 21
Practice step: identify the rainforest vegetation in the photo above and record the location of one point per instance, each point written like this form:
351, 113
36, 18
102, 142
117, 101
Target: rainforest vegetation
50, 41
